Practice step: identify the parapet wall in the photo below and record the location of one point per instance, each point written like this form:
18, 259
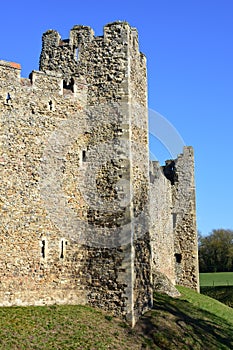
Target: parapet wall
104, 61
40, 84
33, 268
69, 232
81, 222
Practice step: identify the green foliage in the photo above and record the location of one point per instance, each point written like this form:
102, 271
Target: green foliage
216, 251
109, 317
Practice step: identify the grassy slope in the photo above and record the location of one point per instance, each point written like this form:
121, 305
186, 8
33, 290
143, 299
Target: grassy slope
193, 321
218, 285
190, 322
221, 293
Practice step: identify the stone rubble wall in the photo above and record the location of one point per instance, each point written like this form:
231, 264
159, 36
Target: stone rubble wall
27, 120
140, 179
162, 236
173, 220
81, 220
184, 212
89, 84
102, 61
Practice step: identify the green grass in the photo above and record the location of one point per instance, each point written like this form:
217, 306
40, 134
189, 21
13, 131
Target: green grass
216, 279
192, 321
218, 285
61, 327
208, 304
221, 293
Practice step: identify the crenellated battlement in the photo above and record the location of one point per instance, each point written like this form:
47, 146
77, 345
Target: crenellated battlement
82, 35
80, 220
15, 91
103, 61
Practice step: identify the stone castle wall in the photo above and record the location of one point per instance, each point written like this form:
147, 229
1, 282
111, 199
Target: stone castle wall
184, 214
162, 236
32, 268
173, 220
76, 199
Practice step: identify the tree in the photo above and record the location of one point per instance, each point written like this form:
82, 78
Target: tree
216, 251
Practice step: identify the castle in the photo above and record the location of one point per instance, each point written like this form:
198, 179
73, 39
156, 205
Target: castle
86, 218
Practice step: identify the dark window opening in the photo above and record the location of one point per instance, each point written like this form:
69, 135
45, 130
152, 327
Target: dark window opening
178, 258
169, 170
62, 250
84, 156
43, 248
8, 97
50, 105
174, 220
68, 85
62, 253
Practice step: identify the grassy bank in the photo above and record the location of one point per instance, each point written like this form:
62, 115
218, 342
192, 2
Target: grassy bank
218, 285
221, 293
191, 322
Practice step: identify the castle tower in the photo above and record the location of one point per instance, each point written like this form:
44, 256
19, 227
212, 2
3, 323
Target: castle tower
116, 150
184, 221
75, 191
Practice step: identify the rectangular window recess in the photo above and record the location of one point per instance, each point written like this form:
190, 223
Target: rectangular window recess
84, 156
62, 251
76, 53
43, 248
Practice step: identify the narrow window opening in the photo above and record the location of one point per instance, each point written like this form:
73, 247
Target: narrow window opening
43, 248
51, 105
76, 53
178, 258
62, 250
174, 220
8, 97
62, 247
84, 155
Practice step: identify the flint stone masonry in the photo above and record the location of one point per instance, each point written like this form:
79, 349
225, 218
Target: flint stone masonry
85, 219
173, 220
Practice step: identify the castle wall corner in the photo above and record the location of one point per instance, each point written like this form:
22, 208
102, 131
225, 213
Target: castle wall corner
184, 212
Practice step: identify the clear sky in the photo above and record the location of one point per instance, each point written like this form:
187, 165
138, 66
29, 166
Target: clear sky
189, 49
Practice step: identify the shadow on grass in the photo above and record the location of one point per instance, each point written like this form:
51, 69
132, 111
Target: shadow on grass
177, 324
224, 294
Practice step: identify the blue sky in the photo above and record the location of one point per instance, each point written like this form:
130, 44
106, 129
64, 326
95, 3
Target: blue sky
189, 49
